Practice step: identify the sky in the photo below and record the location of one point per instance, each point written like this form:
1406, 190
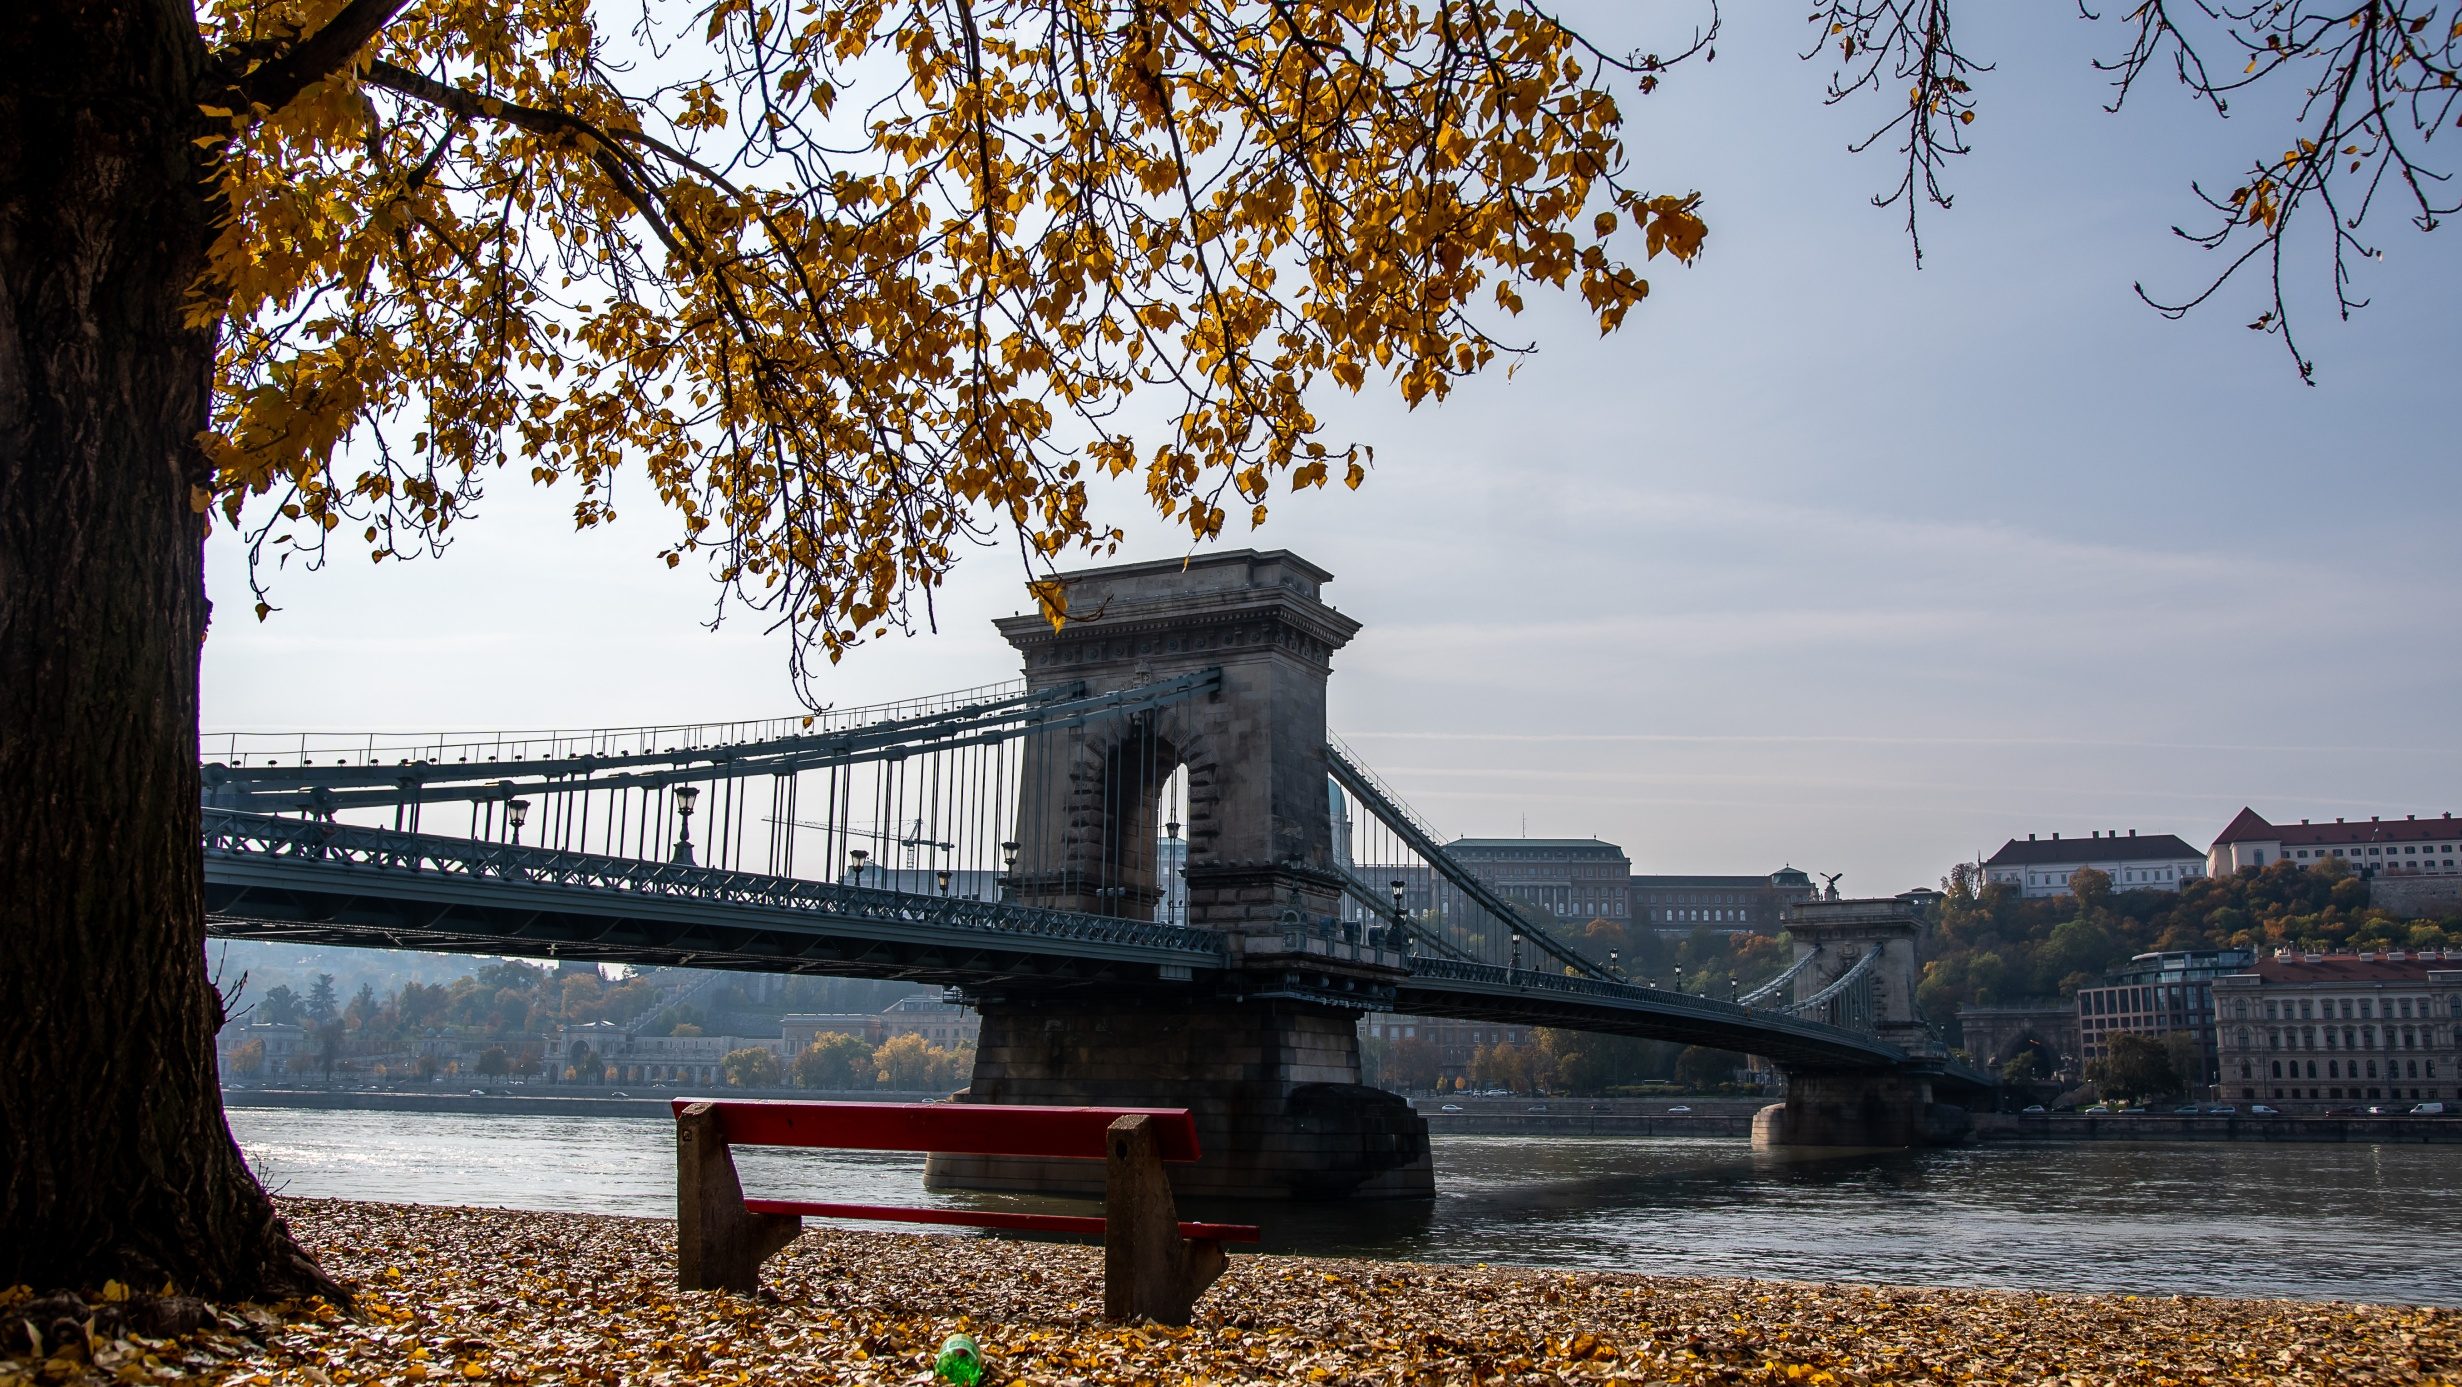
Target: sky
1822, 560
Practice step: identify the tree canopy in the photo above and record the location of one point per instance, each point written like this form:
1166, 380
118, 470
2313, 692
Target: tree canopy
860, 283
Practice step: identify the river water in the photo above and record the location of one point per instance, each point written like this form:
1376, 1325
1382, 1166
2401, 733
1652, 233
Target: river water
2338, 1222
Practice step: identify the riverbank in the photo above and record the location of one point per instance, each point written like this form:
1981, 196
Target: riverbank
539, 1102
495, 1297
2137, 1126
1588, 1117
1706, 1117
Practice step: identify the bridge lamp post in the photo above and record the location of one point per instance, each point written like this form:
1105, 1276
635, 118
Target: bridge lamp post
1516, 965
1173, 904
854, 874
943, 877
1731, 989
1612, 956
516, 813
686, 796
1401, 921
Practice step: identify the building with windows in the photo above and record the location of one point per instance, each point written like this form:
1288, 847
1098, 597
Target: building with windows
2389, 847
2042, 866
1453, 1042
1727, 904
949, 1025
2156, 995
1575, 880
2302, 1032
611, 1056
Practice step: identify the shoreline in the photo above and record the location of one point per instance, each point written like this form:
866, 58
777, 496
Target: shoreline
473, 1297
1494, 1117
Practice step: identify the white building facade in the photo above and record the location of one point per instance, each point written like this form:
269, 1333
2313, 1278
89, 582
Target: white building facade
2041, 867
2408, 846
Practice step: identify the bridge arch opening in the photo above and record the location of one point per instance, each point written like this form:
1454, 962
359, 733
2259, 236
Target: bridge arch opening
1141, 831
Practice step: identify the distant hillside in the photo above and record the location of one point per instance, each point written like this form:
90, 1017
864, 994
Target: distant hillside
297, 967
1994, 946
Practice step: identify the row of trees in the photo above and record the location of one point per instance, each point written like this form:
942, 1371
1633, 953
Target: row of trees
500, 998
1994, 945
2135, 1068
838, 1061
1551, 1061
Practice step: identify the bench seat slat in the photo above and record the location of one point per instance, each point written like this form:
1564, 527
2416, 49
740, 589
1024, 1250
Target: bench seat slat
1083, 1224
964, 1129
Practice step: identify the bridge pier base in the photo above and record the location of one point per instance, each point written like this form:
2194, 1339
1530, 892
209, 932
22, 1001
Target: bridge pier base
1858, 1109
1274, 1087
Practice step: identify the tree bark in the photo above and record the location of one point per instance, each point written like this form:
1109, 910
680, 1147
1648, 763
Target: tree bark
115, 1160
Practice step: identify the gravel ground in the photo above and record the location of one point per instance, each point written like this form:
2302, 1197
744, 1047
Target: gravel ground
464, 1297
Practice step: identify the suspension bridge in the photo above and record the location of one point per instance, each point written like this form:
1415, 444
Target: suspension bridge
1147, 864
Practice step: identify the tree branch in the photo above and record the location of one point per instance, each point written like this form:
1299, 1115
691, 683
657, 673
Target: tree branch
299, 65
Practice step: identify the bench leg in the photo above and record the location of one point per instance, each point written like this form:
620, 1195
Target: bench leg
1149, 1270
719, 1245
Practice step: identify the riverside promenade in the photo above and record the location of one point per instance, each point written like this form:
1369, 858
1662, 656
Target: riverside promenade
465, 1297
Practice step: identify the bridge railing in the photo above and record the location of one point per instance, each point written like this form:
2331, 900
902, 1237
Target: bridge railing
243, 748
232, 834
1456, 970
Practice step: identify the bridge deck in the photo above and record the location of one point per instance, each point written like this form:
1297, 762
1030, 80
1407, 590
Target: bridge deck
308, 882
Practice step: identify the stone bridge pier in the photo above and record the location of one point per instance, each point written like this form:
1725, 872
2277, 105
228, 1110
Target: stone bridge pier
1870, 1107
1268, 1058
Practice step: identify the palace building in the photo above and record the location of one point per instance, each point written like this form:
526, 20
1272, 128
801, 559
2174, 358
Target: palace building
2041, 867
2378, 846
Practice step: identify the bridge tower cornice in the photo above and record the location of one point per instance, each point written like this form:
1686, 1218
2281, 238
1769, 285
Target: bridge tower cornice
1124, 624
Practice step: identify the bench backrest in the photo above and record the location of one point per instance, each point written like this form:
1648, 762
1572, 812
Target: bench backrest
964, 1129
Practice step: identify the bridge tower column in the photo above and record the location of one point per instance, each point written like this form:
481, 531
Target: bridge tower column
1869, 1108
1266, 1055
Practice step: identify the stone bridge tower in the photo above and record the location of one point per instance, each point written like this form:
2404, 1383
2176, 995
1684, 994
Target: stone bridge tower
1862, 1107
1267, 1056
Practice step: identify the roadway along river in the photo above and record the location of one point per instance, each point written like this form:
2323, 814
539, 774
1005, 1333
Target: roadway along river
2346, 1222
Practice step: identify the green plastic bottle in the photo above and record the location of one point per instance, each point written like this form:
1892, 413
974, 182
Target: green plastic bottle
960, 1361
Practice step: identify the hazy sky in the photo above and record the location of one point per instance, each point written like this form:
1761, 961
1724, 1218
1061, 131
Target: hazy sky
1821, 560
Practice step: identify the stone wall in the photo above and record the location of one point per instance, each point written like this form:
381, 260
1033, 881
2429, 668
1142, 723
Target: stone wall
2417, 897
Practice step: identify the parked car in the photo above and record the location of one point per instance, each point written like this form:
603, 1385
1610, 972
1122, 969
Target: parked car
1538, 1107
1680, 1108
478, 1093
619, 1093
1450, 1107
2101, 1110
2186, 1110
2032, 1109
2430, 1110
2386, 1109
2261, 1110
2222, 1110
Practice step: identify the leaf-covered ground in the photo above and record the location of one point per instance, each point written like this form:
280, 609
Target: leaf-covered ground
472, 1298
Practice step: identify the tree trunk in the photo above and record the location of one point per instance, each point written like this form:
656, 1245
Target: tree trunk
114, 1157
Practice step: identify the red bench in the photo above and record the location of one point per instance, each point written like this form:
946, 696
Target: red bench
1153, 1264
